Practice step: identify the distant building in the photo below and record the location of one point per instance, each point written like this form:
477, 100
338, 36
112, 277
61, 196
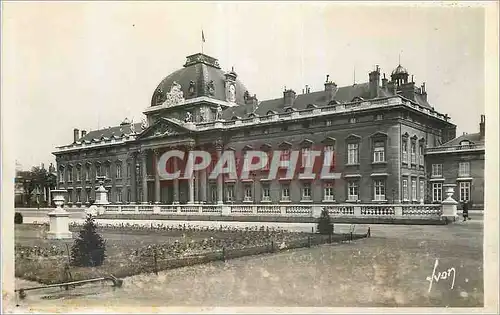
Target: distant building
459, 161
378, 131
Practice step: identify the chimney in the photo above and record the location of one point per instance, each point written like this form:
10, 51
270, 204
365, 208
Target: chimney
384, 82
84, 133
76, 135
374, 82
289, 97
423, 91
482, 130
330, 89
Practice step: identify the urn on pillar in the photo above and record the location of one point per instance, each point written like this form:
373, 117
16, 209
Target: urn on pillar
449, 205
101, 195
59, 218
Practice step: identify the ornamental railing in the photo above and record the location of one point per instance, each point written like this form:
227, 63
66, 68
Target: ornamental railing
284, 210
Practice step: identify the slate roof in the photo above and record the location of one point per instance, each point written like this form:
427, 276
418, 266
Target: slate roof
117, 131
344, 94
474, 138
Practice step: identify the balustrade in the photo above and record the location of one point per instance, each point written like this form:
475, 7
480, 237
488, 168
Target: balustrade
288, 210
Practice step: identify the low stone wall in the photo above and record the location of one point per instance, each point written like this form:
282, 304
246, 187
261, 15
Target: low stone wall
277, 219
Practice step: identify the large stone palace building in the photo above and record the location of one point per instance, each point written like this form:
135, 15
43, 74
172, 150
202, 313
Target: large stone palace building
379, 132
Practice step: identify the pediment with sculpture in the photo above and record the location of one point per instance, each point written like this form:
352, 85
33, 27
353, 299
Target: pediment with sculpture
163, 128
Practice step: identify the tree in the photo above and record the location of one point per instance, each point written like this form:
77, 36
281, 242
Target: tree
89, 248
37, 177
325, 226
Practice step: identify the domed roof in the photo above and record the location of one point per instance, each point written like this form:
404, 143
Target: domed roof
399, 70
200, 76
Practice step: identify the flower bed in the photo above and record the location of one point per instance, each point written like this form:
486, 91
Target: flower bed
136, 251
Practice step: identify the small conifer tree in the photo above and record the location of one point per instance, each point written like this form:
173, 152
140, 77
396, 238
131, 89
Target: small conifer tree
89, 248
325, 226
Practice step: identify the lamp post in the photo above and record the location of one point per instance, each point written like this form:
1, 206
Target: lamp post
253, 183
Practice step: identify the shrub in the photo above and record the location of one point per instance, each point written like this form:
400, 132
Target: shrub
18, 218
325, 226
89, 248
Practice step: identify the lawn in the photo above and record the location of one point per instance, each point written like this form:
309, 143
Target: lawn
131, 250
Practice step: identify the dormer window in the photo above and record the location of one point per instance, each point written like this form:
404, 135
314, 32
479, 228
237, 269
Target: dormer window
353, 120
464, 142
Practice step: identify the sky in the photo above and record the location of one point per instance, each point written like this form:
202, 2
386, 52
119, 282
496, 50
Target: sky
86, 65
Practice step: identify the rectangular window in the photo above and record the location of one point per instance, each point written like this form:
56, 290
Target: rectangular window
70, 175
405, 151
129, 170
98, 170
352, 151
285, 192
87, 195
328, 122
285, 158
464, 169
307, 160
464, 191
266, 193
413, 153
437, 192
379, 189
78, 195
306, 191
379, 151
61, 175
405, 189
229, 193
422, 190
87, 173
437, 170
118, 171
78, 174
70, 195
421, 155
379, 117
352, 120
129, 195
248, 193
328, 193
118, 195
352, 191
414, 190
106, 170
213, 193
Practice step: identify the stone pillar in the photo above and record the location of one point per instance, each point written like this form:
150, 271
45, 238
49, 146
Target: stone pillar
175, 182
218, 147
133, 177
59, 218
203, 185
191, 178
157, 176
449, 205
144, 176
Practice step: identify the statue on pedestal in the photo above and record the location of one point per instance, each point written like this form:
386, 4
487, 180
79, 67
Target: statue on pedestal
218, 114
188, 118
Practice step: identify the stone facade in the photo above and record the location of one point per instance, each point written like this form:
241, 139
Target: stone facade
460, 162
367, 117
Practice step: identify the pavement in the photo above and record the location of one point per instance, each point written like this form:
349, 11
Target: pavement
391, 268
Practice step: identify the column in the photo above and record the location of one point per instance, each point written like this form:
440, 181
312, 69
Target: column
218, 147
189, 148
203, 186
144, 177
157, 175
133, 177
176, 182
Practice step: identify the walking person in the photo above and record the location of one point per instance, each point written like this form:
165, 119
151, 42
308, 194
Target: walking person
465, 210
